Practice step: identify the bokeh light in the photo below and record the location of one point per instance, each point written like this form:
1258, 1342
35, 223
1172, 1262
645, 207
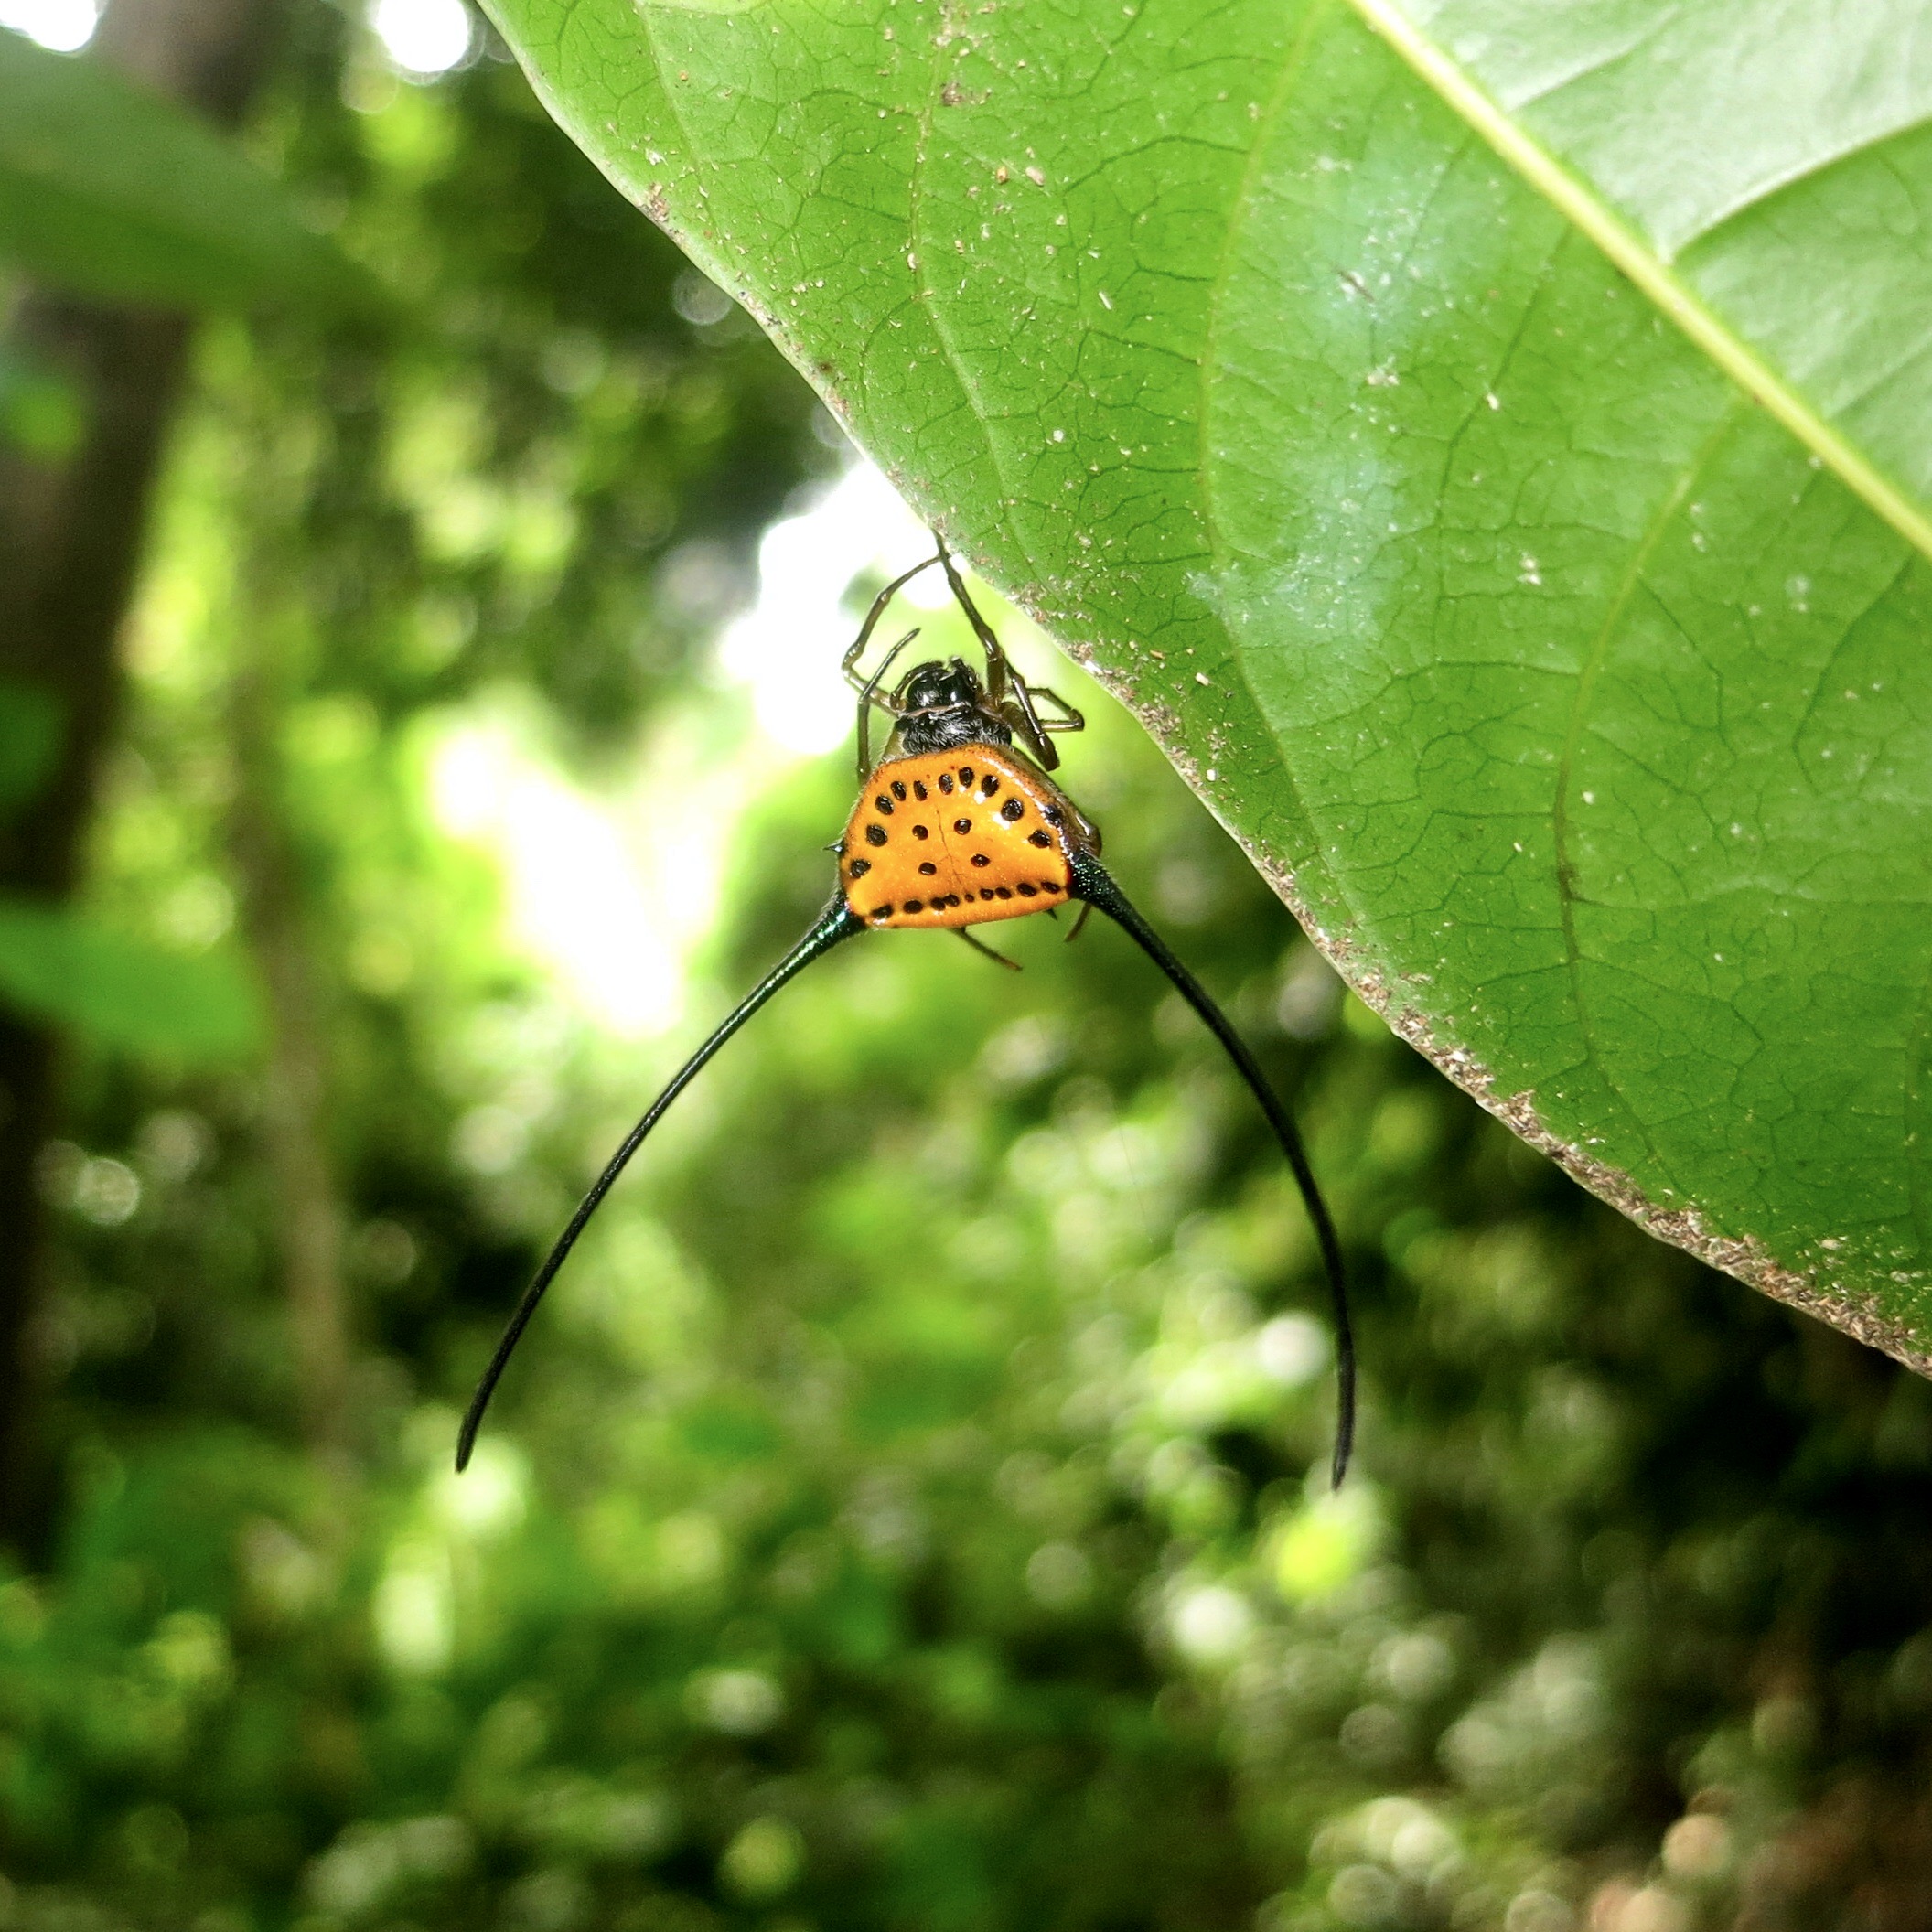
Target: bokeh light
785, 649
423, 38
64, 26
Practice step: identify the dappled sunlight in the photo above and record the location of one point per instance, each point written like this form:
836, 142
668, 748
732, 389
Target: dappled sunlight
434, 1583
612, 917
63, 26
614, 892
785, 649
423, 38
1326, 1544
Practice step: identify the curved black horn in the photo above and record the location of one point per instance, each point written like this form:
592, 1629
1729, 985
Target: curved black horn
837, 922
1093, 882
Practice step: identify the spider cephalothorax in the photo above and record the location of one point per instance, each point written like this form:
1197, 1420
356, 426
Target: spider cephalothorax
934, 697
958, 825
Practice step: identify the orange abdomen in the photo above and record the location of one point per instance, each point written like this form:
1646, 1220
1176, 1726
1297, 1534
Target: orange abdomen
957, 838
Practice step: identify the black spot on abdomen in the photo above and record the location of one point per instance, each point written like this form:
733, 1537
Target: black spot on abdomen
874, 835
1013, 810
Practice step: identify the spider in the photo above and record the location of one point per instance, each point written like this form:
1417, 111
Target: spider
958, 825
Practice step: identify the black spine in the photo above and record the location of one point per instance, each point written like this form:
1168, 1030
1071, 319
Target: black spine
1093, 882
837, 922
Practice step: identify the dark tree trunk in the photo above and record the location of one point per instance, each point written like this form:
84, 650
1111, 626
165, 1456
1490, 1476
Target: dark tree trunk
294, 1092
70, 542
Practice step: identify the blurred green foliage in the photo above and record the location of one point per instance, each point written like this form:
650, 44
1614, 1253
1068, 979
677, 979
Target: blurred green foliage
114, 987
106, 188
909, 1511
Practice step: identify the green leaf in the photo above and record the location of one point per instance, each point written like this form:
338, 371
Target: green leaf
120, 992
112, 192
1582, 710
1761, 171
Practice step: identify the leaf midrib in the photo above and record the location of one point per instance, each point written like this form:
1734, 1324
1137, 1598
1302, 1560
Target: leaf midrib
1647, 268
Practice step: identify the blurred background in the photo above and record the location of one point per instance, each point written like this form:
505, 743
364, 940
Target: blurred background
415, 732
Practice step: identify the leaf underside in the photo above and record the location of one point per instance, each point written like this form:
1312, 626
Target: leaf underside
1581, 710
1761, 170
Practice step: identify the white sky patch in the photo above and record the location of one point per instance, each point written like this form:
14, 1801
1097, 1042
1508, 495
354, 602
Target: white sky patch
608, 895
421, 36
65, 26
612, 894
785, 649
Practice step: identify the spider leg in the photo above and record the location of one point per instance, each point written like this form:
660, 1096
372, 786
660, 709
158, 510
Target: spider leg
997, 666
980, 946
1016, 708
1079, 924
1006, 692
1068, 720
868, 697
849, 663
